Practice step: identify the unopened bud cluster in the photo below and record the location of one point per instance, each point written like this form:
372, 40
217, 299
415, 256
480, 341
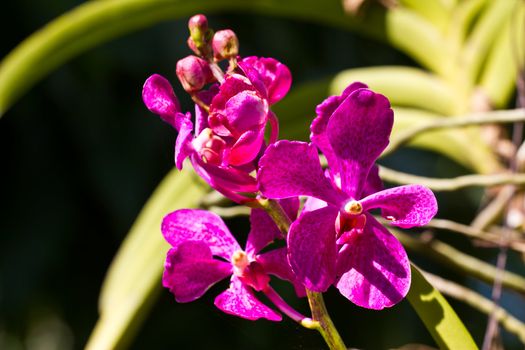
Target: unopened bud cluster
225, 140
195, 71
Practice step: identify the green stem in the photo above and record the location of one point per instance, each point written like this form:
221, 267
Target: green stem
217, 72
452, 184
515, 242
502, 116
326, 326
321, 319
494, 210
277, 213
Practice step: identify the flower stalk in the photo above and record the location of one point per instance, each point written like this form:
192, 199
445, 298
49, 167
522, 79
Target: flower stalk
325, 325
320, 320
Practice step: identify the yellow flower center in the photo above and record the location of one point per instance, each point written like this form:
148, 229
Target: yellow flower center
353, 207
240, 261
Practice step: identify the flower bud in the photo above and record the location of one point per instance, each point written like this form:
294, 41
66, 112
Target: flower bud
198, 26
200, 36
193, 73
225, 44
209, 146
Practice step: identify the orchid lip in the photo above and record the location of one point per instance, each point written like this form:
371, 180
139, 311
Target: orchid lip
353, 207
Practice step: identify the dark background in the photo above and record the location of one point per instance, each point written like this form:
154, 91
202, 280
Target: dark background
81, 155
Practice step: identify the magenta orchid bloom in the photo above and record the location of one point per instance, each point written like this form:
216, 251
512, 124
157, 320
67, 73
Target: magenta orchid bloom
225, 144
336, 240
204, 252
271, 78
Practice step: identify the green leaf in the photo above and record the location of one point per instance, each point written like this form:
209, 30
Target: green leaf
438, 316
133, 280
297, 110
498, 78
404, 86
483, 36
464, 146
96, 22
435, 11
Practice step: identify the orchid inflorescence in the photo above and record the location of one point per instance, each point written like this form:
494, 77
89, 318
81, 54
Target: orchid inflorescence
334, 239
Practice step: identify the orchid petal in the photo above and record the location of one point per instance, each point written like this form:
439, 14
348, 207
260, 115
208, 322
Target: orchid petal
183, 146
292, 168
358, 132
238, 300
246, 148
275, 76
220, 185
274, 127
407, 206
190, 271
276, 263
373, 182
201, 119
375, 268
199, 225
318, 127
224, 177
232, 85
159, 98
313, 203
245, 111
312, 249
201, 115
263, 229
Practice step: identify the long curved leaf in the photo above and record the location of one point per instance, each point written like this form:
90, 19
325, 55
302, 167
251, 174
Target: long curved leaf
465, 146
507, 55
438, 316
133, 279
96, 22
404, 86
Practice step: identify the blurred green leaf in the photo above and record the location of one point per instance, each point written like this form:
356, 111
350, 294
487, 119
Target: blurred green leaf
297, 111
429, 97
498, 78
435, 11
96, 22
438, 316
404, 86
465, 145
483, 37
133, 280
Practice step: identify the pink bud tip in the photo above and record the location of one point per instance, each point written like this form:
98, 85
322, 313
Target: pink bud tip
225, 44
198, 22
193, 73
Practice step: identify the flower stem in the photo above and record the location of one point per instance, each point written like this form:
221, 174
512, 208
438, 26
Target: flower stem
287, 309
325, 325
277, 213
217, 72
320, 320
199, 102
